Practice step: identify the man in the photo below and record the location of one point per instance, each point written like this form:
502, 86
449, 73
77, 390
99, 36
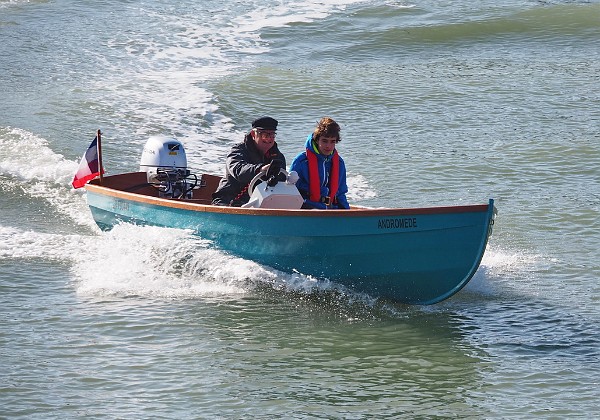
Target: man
257, 153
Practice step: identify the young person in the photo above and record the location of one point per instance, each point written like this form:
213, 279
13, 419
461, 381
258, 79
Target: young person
321, 170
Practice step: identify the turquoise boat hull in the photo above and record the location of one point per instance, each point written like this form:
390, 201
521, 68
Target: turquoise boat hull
415, 256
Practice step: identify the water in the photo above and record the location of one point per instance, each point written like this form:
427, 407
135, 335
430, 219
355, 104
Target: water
439, 104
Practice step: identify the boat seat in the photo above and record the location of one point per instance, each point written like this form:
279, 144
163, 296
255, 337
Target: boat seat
207, 185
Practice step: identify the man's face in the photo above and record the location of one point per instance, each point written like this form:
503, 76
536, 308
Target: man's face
264, 139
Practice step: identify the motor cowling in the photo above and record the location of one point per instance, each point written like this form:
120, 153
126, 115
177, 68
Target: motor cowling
165, 163
279, 195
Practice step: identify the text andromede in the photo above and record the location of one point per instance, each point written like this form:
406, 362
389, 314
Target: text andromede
401, 223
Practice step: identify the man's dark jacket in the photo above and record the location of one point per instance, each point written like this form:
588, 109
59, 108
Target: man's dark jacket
243, 162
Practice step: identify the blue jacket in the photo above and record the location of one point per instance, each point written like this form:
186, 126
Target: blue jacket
300, 165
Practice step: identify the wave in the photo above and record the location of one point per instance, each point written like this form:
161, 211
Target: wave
29, 164
376, 30
29, 157
547, 22
157, 263
16, 3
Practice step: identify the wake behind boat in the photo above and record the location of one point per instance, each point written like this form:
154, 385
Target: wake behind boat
416, 256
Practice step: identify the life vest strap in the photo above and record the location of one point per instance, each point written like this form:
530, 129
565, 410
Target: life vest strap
315, 181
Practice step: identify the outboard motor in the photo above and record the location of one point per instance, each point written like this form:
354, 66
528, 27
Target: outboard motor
165, 164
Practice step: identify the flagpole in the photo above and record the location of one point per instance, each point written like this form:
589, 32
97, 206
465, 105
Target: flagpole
99, 135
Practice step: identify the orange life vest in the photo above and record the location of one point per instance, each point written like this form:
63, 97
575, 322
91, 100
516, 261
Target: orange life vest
315, 181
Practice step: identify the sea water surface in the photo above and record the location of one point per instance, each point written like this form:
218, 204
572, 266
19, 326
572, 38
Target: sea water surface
440, 103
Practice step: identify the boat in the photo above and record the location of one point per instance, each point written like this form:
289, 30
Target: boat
406, 255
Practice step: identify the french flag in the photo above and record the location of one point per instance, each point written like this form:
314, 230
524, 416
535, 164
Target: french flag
88, 168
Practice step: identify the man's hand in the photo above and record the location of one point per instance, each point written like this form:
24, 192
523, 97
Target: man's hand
274, 168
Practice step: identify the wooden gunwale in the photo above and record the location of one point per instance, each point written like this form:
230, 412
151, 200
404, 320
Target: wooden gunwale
199, 207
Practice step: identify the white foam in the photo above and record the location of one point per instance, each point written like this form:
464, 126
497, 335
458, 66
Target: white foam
159, 80
28, 244
359, 188
8, 3
42, 173
169, 263
499, 261
27, 156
